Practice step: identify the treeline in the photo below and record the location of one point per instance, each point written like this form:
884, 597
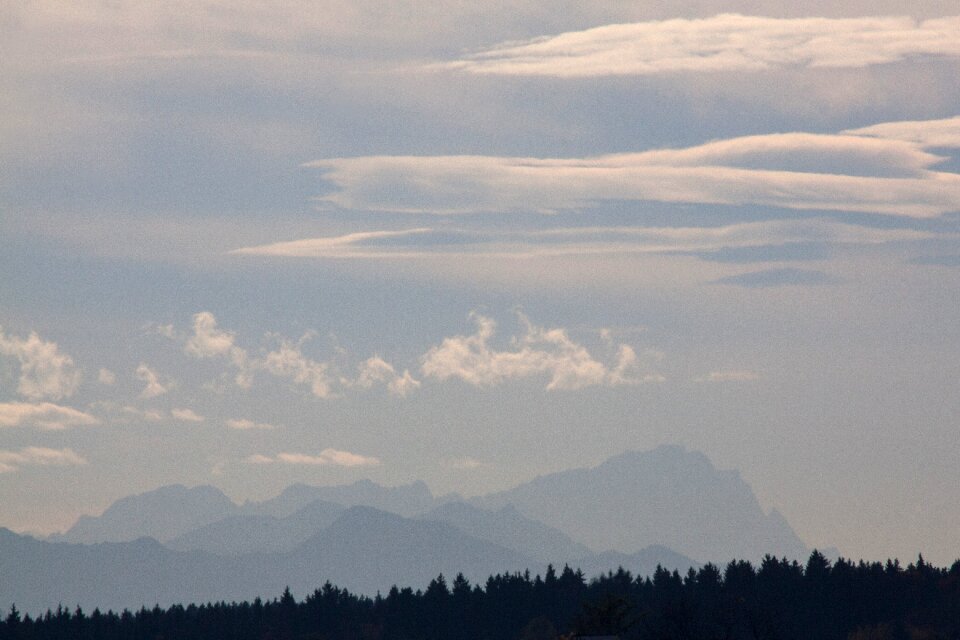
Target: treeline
777, 599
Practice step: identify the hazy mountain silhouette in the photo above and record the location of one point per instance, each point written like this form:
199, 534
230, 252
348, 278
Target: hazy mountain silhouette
173, 511
511, 529
161, 514
406, 500
365, 550
237, 535
667, 496
39, 575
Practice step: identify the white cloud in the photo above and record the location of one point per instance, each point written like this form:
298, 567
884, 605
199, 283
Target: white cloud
149, 415
333, 246
726, 42
845, 172
43, 415
208, 341
288, 361
580, 241
334, 457
186, 415
926, 133
107, 377
376, 370
243, 424
45, 372
463, 463
38, 456
729, 375
548, 352
402, 385
154, 387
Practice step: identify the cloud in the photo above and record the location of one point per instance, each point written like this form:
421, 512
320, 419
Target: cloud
464, 463
154, 387
11, 461
328, 456
334, 246
107, 377
729, 375
186, 415
376, 370
830, 172
208, 341
43, 416
288, 361
45, 372
926, 133
242, 424
149, 415
778, 278
726, 42
770, 236
540, 352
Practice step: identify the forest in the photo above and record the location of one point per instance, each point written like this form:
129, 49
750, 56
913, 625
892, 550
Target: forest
775, 599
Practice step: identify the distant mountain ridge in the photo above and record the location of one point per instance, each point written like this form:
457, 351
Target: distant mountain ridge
666, 496
637, 511
160, 514
365, 550
172, 511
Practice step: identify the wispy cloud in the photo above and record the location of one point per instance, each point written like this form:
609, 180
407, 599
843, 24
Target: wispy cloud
11, 461
186, 415
333, 457
926, 133
836, 172
45, 372
465, 463
107, 377
580, 241
286, 359
778, 278
44, 415
345, 246
539, 352
244, 424
376, 370
729, 375
154, 387
209, 341
726, 42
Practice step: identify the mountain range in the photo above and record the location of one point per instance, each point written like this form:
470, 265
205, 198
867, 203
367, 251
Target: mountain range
178, 544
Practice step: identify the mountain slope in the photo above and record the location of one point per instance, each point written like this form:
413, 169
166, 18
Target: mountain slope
162, 514
405, 500
509, 528
368, 550
237, 535
667, 496
365, 550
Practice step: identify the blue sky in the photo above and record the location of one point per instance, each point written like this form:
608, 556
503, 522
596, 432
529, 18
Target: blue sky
249, 244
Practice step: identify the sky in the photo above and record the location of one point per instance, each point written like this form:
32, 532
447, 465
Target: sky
251, 243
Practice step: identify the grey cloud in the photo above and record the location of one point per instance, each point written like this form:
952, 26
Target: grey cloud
778, 278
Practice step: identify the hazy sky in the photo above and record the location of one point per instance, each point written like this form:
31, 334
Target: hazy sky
247, 244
